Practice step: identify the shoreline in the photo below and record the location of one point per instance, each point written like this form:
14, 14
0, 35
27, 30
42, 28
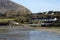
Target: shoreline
48, 29
22, 28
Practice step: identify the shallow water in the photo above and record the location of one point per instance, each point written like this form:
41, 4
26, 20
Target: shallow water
29, 35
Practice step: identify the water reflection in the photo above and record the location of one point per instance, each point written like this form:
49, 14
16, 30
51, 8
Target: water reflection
21, 35
43, 35
29, 35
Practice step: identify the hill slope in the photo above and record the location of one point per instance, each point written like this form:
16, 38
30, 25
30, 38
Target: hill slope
9, 7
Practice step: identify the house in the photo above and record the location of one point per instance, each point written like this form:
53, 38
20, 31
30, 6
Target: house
47, 18
48, 22
44, 21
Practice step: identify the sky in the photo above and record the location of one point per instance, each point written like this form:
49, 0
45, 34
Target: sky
36, 6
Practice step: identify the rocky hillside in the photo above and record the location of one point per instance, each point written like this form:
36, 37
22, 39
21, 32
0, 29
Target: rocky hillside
9, 8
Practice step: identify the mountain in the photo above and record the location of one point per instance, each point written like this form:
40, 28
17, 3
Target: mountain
10, 7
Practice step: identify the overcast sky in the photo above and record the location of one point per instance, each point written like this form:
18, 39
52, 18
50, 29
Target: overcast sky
40, 5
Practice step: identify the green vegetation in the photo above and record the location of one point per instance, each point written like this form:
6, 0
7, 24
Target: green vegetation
13, 11
6, 19
20, 19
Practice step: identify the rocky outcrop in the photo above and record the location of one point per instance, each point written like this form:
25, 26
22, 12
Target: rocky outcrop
8, 7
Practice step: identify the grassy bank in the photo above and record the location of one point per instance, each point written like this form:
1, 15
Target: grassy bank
6, 19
